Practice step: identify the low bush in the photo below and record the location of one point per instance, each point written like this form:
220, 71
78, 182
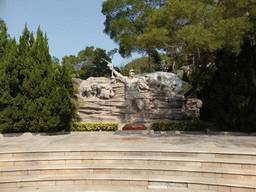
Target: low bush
80, 126
181, 126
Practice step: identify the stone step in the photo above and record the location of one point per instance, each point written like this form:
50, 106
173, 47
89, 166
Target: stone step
101, 188
95, 188
150, 181
129, 169
241, 155
142, 160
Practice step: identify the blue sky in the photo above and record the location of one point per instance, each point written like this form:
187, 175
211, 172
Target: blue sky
70, 25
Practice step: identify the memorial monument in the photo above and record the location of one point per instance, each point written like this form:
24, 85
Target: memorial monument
137, 99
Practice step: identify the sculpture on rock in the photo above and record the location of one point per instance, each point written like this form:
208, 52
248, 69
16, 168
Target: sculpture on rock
158, 86
101, 91
132, 93
152, 83
134, 100
137, 99
112, 80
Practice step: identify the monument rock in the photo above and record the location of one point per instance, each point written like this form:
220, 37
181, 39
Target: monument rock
139, 99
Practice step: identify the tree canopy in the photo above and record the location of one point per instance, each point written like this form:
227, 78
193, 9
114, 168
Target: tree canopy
199, 28
125, 20
89, 63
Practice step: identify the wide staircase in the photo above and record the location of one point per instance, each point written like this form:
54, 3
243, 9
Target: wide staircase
174, 171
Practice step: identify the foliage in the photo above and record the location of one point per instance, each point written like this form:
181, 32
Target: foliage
124, 69
185, 77
33, 97
199, 28
230, 94
125, 21
180, 126
171, 62
89, 63
139, 65
80, 126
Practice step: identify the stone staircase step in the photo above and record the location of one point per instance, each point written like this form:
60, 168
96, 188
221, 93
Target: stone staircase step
241, 155
189, 171
99, 188
200, 183
143, 160
240, 174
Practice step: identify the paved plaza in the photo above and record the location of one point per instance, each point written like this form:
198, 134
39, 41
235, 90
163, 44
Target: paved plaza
110, 141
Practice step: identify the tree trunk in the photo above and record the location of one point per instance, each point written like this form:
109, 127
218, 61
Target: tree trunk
195, 84
173, 66
149, 62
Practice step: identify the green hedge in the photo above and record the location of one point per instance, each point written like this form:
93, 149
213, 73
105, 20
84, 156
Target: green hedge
80, 126
181, 126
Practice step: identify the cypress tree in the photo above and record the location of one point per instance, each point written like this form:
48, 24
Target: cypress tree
33, 97
9, 83
22, 101
42, 89
62, 101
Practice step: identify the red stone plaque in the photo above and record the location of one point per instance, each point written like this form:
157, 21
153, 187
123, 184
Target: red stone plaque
134, 127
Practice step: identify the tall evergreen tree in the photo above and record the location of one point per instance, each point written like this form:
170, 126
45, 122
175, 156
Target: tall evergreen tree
33, 97
63, 99
9, 83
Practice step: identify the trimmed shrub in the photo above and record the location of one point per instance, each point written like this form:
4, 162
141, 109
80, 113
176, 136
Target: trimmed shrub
80, 126
181, 126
